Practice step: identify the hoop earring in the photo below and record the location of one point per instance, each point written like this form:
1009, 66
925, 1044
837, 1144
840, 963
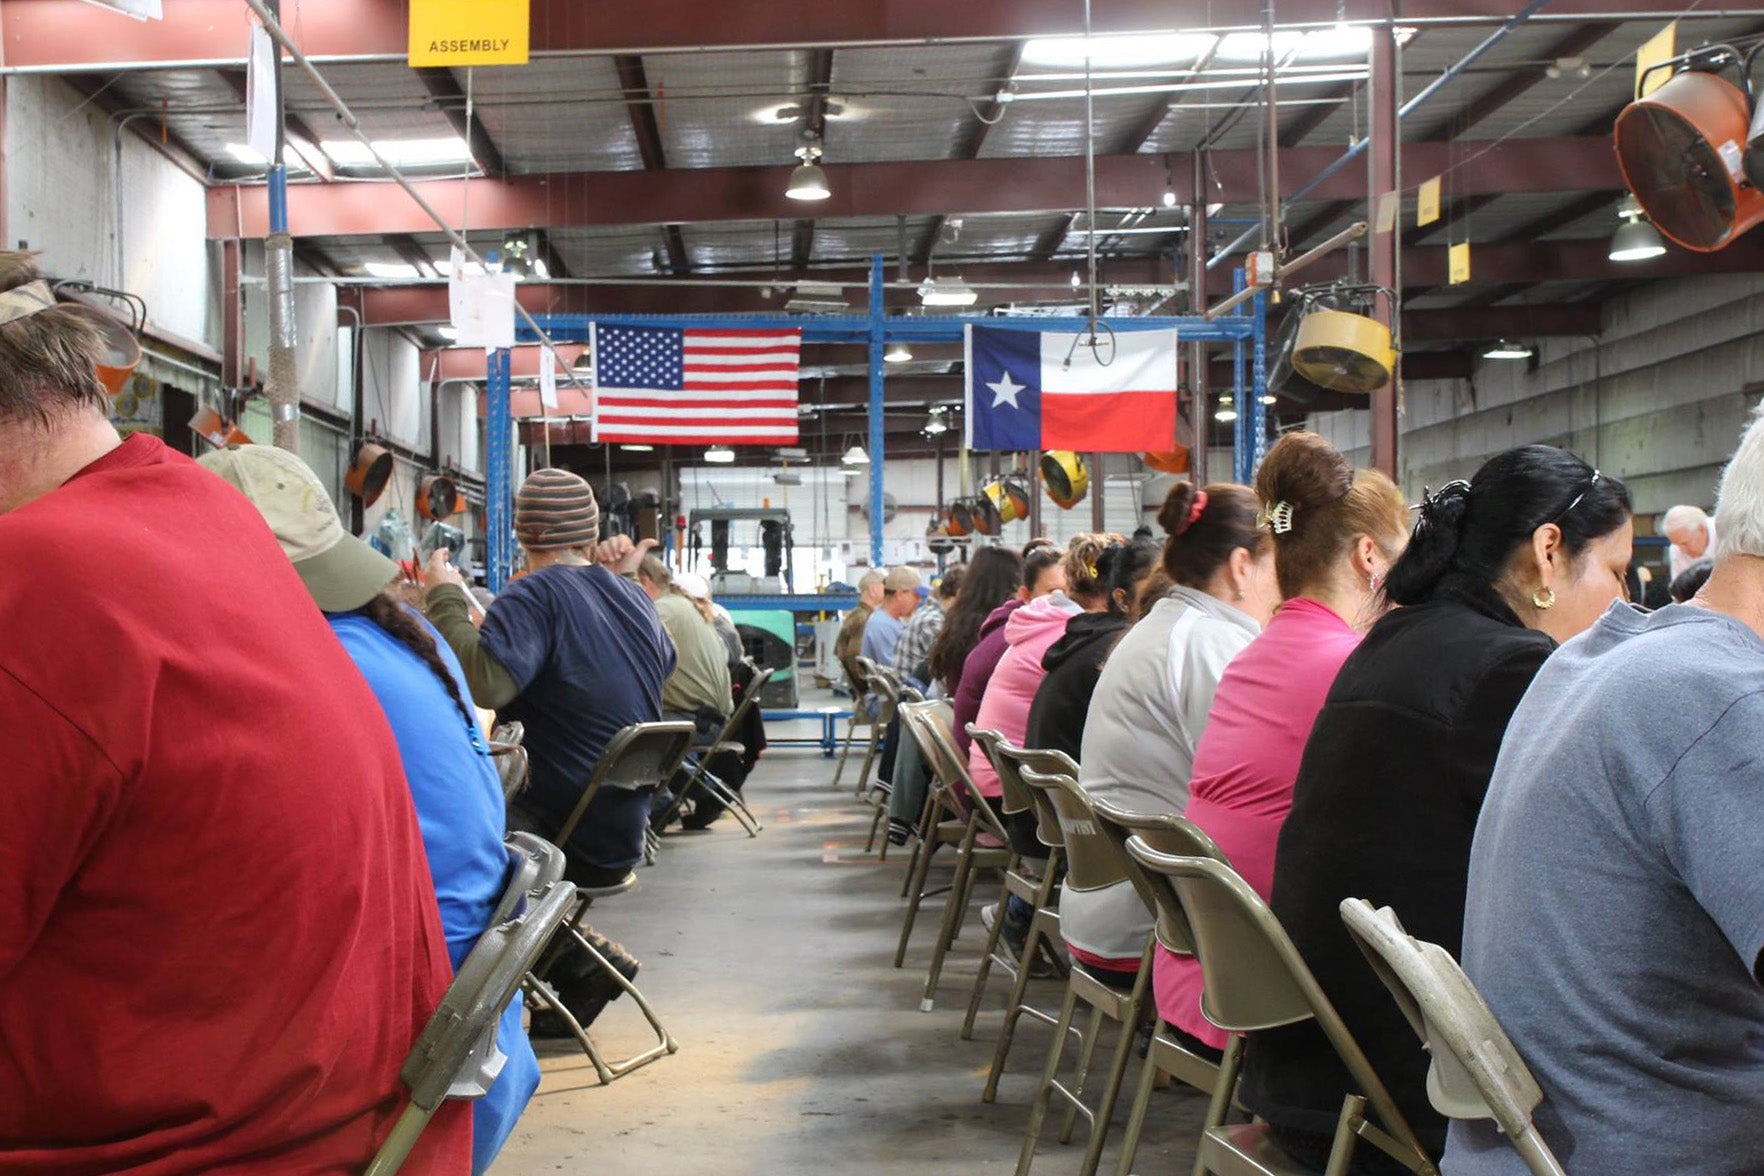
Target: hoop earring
1239, 594
1544, 598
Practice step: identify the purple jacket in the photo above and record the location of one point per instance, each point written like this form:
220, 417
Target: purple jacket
977, 670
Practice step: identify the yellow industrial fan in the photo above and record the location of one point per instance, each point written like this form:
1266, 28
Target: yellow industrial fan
1329, 341
1009, 498
1066, 476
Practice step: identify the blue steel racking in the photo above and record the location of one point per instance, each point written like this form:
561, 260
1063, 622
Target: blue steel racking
1243, 329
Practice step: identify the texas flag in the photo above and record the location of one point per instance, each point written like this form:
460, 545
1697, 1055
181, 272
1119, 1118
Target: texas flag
1033, 390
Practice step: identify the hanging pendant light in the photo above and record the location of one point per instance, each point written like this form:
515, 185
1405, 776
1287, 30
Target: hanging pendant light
1507, 349
808, 181
897, 353
719, 455
855, 456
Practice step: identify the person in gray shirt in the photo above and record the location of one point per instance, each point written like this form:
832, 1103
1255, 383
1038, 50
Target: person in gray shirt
1616, 899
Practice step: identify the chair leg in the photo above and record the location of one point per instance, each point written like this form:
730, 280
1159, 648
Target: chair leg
1091, 1034
850, 735
876, 823
1148, 1074
1015, 1008
928, 815
732, 801
986, 954
877, 730
403, 1137
916, 886
1220, 1104
958, 890
1044, 1092
1353, 1109
609, 1071
1105, 1110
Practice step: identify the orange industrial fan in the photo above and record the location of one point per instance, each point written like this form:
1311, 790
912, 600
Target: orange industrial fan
1683, 151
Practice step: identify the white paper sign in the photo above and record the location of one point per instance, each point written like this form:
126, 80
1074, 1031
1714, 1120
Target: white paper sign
260, 93
548, 377
481, 306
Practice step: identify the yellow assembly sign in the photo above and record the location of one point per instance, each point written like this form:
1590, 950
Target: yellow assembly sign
468, 32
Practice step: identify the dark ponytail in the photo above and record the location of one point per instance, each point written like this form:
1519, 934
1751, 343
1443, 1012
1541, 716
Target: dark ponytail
396, 620
1121, 567
1205, 525
1468, 531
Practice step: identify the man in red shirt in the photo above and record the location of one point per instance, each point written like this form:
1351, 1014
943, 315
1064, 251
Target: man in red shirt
218, 939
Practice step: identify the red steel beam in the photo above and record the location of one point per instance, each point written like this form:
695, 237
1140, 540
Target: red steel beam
63, 35
923, 187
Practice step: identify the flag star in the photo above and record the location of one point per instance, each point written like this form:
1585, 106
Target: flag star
1004, 389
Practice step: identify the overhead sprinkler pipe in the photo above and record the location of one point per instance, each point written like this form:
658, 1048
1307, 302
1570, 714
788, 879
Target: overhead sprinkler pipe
1403, 111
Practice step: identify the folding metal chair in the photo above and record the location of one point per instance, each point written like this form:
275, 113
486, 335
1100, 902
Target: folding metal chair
1093, 862
885, 685
859, 670
1255, 979
639, 758
510, 757
1176, 836
456, 1055
929, 725
1044, 924
1037, 891
892, 693
1476, 1072
698, 758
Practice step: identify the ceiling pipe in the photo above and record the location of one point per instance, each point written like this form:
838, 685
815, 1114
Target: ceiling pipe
1403, 111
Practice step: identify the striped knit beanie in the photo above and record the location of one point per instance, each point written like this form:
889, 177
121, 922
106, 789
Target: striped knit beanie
555, 508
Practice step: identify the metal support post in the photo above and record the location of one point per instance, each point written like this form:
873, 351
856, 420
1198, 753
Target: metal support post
1259, 382
1098, 478
283, 387
878, 434
1200, 401
498, 472
1384, 176
1242, 454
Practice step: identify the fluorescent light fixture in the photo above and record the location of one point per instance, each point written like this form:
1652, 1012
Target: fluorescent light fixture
1117, 52
1226, 414
246, 154
808, 182
651, 449
946, 292
1507, 349
1249, 46
399, 152
471, 269
719, 455
1636, 240
855, 456
897, 353
389, 269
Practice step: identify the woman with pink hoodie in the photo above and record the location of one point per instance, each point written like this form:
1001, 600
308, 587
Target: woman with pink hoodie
1010, 691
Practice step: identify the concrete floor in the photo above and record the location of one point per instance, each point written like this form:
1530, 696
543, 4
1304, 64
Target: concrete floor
802, 1050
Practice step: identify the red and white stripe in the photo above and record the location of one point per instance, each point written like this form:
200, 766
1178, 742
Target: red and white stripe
740, 389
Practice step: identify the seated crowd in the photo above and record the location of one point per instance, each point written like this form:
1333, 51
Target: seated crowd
227, 912
1456, 714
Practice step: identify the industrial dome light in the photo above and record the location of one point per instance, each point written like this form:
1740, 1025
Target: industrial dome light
1507, 349
808, 181
935, 424
855, 456
897, 353
1635, 239
719, 455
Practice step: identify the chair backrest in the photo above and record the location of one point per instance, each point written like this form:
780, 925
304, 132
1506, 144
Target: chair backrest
1093, 862
1476, 1072
885, 689
511, 767
931, 724
749, 700
1011, 761
1255, 979
861, 670
1166, 833
641, 756
1015, 797
534, 864
456, 1055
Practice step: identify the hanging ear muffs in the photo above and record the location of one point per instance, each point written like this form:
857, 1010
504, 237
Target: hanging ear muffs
1690, 151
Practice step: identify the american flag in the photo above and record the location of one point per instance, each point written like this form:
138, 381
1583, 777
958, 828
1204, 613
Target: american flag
665, 386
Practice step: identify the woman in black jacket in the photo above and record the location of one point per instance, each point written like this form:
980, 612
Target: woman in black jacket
1501, 568
1073, 663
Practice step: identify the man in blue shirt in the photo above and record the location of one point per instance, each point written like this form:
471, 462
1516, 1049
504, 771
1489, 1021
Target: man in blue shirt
900, 595
1615, 921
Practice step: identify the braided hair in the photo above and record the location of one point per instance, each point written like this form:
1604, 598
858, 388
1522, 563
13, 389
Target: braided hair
385, 611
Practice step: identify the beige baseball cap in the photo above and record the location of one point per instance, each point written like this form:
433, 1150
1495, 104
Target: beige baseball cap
340, 571
901, 580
